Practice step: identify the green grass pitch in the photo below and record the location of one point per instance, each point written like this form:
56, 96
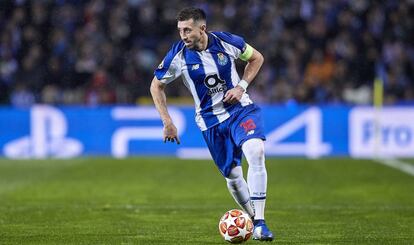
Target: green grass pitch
171, 201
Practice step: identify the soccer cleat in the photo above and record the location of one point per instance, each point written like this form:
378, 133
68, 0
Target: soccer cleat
261, 232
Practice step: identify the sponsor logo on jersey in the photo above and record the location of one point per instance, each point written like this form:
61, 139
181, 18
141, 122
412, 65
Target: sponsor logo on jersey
214, 84
195, 67
222, 59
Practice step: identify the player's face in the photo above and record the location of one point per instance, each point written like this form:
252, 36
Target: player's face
191, 32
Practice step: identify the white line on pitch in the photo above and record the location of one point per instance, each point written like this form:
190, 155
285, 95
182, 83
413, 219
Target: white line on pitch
397, 164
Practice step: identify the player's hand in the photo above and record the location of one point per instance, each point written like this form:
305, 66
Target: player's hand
170, 133
233, 95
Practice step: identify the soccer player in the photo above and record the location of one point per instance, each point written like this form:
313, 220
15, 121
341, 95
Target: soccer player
230, 123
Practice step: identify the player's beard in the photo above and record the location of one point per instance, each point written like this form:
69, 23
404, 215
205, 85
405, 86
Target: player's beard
194, 44
190, 45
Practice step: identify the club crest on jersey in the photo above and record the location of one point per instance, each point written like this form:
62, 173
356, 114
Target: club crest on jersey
222, 59
214, 84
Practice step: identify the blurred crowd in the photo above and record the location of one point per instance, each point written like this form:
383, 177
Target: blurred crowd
104, 52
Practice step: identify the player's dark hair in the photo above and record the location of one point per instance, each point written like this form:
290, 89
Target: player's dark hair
191, 13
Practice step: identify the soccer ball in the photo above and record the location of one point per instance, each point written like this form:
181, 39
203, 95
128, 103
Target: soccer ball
235, 226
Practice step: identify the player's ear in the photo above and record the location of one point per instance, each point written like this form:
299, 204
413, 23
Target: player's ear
203, 27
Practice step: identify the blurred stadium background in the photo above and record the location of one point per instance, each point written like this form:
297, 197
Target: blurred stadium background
337, 85
104, 52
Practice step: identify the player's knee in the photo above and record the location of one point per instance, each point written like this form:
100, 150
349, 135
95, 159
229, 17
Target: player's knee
235, 173
235, 178
255, 146
254, 151
258, 149
258, 154
234, 184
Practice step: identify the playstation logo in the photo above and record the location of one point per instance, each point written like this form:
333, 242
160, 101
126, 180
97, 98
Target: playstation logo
48, 129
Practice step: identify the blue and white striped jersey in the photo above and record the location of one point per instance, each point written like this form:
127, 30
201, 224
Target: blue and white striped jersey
207, 74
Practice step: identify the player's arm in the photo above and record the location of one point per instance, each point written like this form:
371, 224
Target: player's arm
160, 100
254, 61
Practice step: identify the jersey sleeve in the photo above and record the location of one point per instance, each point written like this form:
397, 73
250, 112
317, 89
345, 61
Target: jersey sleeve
170, 67
236, 44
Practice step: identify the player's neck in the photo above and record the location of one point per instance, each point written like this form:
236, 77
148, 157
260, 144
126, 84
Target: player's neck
203, 42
